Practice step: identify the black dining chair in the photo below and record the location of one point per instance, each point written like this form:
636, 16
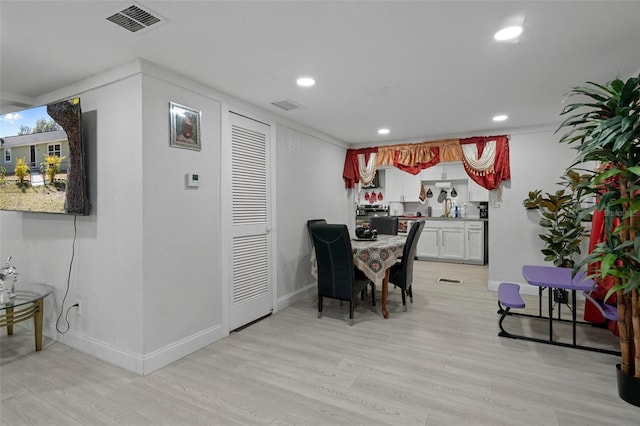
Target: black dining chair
312, 222
337, 276
401, 274
384, 225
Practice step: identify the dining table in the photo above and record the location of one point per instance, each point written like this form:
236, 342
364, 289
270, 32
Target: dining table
374, 257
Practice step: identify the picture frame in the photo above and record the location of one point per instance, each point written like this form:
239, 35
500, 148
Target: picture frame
185, 127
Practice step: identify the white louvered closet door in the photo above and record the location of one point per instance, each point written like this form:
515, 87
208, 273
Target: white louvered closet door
252, 290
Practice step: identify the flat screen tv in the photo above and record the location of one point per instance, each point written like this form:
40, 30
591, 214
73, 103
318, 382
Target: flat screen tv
42, 160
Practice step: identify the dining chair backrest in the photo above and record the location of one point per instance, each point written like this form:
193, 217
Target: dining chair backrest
384, 224
312, 222
409, 251
334, 257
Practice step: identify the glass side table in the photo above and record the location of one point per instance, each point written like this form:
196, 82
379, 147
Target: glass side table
28, 303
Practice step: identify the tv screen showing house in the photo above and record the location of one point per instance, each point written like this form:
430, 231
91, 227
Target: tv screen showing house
42, 163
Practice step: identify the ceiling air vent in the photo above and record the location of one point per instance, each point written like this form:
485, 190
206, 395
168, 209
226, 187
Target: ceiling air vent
134, 18
286, 105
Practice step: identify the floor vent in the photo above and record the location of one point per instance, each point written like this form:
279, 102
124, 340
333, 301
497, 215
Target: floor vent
134, 18
286, 105
449, 280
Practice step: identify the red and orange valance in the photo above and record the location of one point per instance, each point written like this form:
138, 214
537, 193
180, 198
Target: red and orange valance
485, 159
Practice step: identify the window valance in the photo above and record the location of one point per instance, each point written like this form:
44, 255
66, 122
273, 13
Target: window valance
485, 159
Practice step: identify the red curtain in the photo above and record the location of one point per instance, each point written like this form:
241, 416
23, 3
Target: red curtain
490, 179
415, 169
591, 313
350, 172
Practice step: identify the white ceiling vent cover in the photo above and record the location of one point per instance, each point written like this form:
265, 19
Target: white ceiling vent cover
286, 105
134, 18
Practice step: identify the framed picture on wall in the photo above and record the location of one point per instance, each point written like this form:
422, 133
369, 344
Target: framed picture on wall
185, 127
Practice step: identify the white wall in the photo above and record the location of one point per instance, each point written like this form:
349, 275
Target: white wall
147, 264
309, 186
181, 237
538, 161
107, 268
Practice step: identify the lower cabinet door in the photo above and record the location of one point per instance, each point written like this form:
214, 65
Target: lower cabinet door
452, 246
442, 240
475, 242
428, 244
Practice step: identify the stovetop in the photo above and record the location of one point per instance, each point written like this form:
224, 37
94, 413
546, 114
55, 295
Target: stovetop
374, 207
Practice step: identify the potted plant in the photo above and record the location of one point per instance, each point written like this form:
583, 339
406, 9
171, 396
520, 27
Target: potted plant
563, 216
604, 126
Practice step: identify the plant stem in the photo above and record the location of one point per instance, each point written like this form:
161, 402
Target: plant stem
625, 305
635, 319
626, 360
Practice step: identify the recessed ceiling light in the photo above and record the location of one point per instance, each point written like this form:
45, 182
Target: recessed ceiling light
383, 131
500, 117
305, 81
508, 33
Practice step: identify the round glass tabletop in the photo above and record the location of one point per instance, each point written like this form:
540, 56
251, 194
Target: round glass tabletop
27, 292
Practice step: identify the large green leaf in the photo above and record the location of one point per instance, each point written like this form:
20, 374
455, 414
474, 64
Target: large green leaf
590, 92
606, 175
632, 283
629, 92
552, 207
634, 207
573, 107
628, 122
607, 262
617, 85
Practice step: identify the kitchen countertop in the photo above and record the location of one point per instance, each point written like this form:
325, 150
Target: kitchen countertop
460, 219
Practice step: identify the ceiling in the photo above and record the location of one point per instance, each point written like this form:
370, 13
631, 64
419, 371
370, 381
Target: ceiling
424, 69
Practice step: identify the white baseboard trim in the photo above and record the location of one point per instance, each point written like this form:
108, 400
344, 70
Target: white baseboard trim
181, 348
296, 296
137, 363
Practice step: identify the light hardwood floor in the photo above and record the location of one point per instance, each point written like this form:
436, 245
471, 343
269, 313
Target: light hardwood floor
440, 363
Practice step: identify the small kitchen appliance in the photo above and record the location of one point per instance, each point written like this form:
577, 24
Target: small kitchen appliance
365, 212
484, 210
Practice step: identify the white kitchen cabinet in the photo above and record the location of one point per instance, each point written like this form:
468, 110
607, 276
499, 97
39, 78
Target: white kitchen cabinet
444, 172
474, 252
442, 239
454, 171
401, 186
429, 242
453, 242
433, 173
393, 185
477, 193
